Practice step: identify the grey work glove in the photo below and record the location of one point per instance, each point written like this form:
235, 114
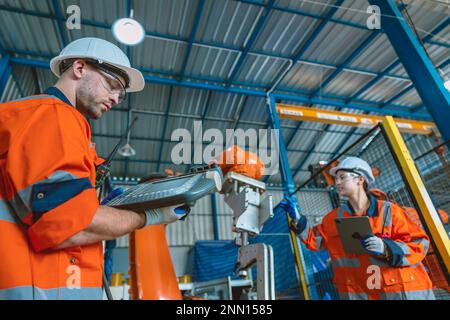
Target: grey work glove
165, 215
374, 245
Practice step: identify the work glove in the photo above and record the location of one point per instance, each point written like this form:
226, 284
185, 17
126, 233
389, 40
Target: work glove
298, 221
288, 205
165, 215
374, 245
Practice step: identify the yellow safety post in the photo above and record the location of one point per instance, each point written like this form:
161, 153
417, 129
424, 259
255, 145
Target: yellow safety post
420, 193
297, 246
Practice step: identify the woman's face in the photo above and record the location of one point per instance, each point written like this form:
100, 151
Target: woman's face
348, 183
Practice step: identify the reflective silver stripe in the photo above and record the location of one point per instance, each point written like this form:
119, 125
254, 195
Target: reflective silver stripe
403, 246
353, 296
405, 262
44, 96
340, 212
305, 232
318, 238
386, 208
408, 295
6, 214
21, 202
35, 293
425, 242
346, 263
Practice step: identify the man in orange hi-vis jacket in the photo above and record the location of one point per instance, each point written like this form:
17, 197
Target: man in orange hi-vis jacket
51, 224
392, 268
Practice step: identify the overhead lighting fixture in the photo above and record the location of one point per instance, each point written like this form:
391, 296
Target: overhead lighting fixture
445, 78
128, 31
127, 151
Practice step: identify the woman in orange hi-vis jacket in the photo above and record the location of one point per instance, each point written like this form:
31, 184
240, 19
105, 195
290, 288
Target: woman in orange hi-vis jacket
392, 269
51, 224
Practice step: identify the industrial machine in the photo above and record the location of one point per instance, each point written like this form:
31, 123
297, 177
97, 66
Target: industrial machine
251, 209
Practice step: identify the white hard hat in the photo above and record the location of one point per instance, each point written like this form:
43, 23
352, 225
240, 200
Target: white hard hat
104, 52
356, 165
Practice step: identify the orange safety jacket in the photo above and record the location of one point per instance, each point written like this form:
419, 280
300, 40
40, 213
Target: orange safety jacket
47, 166
363, 276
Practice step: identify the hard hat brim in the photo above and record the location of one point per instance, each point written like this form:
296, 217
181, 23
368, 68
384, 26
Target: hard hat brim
137, 82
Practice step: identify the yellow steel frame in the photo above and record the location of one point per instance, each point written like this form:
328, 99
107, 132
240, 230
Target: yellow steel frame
420, 193
349, 119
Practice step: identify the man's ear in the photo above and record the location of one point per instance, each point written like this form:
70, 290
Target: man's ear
79, 68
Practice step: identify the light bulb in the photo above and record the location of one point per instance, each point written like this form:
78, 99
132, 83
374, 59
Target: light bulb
128, 31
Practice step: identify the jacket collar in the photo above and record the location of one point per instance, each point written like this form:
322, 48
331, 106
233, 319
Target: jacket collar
53, 91
372, 211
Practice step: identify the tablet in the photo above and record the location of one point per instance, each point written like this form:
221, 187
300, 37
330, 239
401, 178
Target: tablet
351, 231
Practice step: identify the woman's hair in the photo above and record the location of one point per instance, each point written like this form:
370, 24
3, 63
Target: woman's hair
366, 188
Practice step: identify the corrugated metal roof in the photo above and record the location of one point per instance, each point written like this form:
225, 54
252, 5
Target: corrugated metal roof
220, 49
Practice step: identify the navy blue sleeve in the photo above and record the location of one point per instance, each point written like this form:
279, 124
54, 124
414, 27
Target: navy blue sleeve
396, 253
47, 196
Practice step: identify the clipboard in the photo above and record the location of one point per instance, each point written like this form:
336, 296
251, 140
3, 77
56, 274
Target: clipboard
351, 231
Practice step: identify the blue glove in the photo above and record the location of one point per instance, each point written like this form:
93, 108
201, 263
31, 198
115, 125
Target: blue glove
288, 205
298, 222
116, 192
374, 245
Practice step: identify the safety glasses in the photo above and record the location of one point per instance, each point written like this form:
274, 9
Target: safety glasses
114, 85
345, 177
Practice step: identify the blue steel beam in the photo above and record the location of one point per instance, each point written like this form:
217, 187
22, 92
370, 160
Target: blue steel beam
421, 70
253, 37
166, 118
212, 79
395, 64
286, 173
215, 216
198, 15
59, 21
5, 73
318, 63
128, 8
236, 90
408, 89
